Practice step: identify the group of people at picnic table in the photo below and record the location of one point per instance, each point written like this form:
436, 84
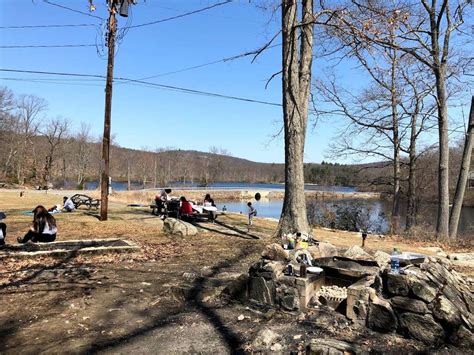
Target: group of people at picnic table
43, 228
187, 209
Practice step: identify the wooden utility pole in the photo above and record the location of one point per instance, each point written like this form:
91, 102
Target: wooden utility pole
104, 186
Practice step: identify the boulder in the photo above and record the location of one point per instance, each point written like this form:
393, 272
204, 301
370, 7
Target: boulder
322, 250
275, 251
237, 289
409, 304
423, 289
463, 338
444, 310
178, 227
381, 316
357, 253
398, 284
262, 291
422, 327
382, 258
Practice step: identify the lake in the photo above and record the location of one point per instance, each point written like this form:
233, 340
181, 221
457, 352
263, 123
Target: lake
376, 210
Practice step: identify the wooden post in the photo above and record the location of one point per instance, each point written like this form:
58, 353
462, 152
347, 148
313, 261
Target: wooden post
104, 187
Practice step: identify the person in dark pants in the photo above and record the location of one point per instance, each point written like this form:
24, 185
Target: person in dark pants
3, 229
43, 229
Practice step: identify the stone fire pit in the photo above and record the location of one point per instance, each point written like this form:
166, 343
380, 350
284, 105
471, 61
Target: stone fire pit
427, 301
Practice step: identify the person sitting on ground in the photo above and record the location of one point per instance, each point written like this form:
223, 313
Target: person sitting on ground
3, 229
68, 205
161, 199
55, 209
251, 213
43, 228
186, 209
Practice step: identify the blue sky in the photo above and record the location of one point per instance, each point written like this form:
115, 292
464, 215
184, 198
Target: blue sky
153, 117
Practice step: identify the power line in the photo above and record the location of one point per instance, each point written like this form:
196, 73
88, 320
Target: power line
166, 87
50, 46
47, 26
73, 10
179, 16
223, 60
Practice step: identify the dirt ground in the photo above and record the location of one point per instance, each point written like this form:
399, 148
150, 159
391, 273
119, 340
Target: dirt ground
166, 299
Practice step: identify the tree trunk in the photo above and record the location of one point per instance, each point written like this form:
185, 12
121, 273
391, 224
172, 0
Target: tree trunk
395, 220
443, 165
296, 80
411, 203
463, 175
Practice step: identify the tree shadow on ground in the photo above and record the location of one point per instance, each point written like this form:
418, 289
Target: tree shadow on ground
238, 233
192, 302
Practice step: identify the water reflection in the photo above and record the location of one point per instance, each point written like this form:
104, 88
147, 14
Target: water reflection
377, 211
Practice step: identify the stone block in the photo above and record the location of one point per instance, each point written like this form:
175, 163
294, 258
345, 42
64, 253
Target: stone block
358, 297
422, 327
262, 291
409, 304
357, 253
423, 289
463, 337
444, 310
381, 316
382, 258
322, 250
397, 284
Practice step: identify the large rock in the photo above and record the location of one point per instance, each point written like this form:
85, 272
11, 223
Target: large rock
463, 338
381, 316
357, 253
322, 250
275, 251
262, 291
444, 310
178, 227
382, 258
422, 327
398, 284
409, 304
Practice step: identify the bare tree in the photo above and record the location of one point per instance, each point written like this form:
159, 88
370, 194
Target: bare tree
29, 109
427, 29
297, 57
55, 133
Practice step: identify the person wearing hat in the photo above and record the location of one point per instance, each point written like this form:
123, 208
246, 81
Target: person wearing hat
3, 229
68, 204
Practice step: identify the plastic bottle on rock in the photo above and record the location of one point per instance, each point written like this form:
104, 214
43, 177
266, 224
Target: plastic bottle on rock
395, 261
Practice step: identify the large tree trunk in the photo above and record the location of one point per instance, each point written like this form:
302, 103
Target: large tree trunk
443, 165
296, 82
395, 220
463, 175
411, 203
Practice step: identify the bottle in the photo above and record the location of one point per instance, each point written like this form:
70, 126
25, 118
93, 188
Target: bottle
303, 272
395, 261
290, 269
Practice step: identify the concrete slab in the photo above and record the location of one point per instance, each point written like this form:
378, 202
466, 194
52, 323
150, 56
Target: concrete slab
70, 247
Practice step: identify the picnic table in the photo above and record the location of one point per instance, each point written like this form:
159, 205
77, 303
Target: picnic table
84, 200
